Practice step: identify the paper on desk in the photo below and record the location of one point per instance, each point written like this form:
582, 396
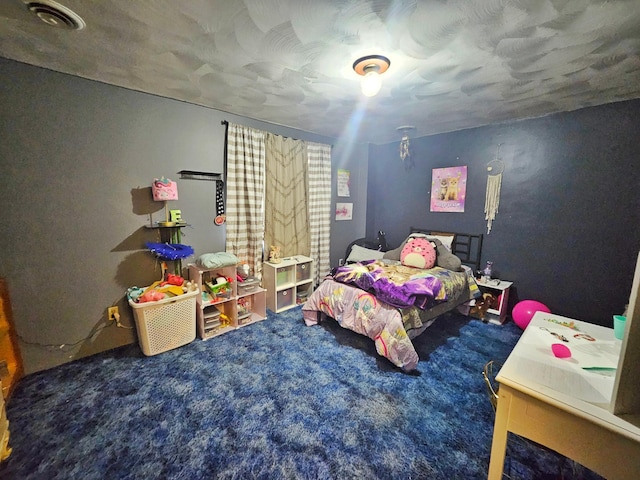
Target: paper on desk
587, 386
567, 375
585, 353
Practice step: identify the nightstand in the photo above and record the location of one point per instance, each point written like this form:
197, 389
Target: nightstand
499, 289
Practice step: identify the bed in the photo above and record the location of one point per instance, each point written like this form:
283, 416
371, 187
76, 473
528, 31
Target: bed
380, 293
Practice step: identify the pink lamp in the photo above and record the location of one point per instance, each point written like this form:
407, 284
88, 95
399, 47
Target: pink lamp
164, 190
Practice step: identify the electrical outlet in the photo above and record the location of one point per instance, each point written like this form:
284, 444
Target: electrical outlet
112, 312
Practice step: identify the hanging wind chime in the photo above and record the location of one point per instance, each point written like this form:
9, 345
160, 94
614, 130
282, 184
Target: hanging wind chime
494, 182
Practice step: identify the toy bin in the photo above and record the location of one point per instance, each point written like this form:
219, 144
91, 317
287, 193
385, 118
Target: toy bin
249, 285
166, 324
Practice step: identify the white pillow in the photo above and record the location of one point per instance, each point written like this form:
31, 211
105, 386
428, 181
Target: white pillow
360, 254
446, 240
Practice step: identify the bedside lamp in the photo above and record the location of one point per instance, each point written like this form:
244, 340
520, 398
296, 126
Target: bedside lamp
165, 190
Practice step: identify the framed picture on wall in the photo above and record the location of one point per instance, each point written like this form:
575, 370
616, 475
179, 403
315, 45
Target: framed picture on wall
343, 183
448, 189
344, 211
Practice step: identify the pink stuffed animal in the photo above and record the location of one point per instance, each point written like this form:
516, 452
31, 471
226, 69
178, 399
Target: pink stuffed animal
419, 253
151, 296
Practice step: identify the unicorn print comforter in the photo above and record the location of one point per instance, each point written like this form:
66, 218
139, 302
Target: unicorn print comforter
361, 298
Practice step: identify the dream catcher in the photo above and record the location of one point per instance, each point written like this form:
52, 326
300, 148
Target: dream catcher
405, 146
494, 182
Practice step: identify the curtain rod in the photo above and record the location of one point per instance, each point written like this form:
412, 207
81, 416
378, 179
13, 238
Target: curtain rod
226, 123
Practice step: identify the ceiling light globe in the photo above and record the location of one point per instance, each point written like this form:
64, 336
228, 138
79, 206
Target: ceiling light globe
371, 84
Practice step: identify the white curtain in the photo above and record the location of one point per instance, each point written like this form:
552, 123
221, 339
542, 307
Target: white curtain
319, 156
245, 193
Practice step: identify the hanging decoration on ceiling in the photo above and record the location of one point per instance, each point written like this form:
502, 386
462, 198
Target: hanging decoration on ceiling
405, 146
494, 183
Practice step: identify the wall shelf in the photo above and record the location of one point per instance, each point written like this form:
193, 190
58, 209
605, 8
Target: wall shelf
196, 175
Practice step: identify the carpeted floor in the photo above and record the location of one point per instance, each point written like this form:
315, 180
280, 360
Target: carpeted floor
274, 400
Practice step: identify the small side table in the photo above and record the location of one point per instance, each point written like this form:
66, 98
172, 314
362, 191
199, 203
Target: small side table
500, 289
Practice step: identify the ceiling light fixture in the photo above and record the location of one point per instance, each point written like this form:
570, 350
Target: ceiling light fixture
371, 67
56, 15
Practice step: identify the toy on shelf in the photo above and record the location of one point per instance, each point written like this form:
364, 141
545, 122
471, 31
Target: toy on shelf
274, 254
244, 306
220, 290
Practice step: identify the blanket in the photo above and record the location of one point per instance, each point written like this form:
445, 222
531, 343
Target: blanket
361, 312
389, 327
395, 285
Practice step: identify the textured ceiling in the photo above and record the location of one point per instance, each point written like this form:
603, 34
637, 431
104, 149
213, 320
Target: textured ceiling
454, 64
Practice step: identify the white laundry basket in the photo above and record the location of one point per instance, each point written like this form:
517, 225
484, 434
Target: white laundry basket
166, 324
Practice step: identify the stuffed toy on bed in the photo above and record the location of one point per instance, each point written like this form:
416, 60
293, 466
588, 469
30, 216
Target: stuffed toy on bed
444, 258
419, 253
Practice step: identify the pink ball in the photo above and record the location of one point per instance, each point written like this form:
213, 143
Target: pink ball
523, 312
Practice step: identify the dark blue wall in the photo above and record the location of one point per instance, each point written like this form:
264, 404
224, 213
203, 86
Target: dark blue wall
567, 231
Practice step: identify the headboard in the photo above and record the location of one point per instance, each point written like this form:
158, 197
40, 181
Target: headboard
466, 246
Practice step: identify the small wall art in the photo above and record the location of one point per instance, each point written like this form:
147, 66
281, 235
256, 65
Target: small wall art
448, 189
344, 211
343, 183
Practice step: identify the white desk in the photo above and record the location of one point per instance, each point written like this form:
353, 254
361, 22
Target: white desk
556, 403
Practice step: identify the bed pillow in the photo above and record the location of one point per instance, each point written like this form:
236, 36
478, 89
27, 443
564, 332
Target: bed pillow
394, 254
446, 240
446, 259
360, 254
419, 253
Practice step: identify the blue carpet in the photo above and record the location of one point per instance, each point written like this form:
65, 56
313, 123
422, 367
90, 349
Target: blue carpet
274, 400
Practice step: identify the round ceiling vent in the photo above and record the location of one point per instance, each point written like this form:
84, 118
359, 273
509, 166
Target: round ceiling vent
56, 15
